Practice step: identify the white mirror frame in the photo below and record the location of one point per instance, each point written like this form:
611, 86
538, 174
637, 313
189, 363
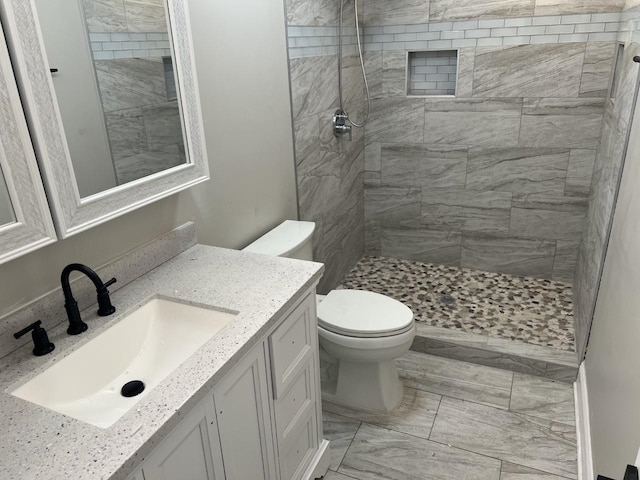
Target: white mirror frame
33, 227
71, 213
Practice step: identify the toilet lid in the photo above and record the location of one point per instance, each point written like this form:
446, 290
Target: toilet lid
359, 313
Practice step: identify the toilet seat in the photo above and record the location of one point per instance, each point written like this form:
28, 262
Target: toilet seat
363, 314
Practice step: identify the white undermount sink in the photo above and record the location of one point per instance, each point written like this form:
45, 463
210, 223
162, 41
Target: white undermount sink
146, 345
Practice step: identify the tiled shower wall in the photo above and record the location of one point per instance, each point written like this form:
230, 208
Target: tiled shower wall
329, 169
129, 40
498, 178
617, 116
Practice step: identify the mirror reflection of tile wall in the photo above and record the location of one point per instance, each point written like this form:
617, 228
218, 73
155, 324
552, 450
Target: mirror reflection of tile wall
131, 51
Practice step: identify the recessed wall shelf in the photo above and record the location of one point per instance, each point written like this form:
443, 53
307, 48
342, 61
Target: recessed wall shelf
432, 72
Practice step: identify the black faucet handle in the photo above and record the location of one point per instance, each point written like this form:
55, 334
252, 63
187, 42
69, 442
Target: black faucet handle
41, 342
105, 308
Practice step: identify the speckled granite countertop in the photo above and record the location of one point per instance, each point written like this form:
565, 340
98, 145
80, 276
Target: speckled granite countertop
38, 443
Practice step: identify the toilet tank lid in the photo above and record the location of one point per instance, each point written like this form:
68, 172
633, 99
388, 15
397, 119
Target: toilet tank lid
283, 239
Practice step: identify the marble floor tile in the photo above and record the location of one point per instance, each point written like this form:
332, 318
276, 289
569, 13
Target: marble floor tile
443, 376
513, 437
414, 416
339, 431
331, 475
480, 356
542, 398
512, 471
377, 454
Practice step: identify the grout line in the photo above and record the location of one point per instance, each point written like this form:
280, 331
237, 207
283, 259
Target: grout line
511, 392
350, 443
435, 417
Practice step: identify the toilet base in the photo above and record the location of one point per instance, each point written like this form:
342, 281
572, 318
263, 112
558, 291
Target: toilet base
373, 386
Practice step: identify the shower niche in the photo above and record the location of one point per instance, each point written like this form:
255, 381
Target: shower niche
432, 73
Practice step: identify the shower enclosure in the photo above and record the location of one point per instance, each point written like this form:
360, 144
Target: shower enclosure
494, 142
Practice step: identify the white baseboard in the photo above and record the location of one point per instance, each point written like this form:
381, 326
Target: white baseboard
583, 429
320, 463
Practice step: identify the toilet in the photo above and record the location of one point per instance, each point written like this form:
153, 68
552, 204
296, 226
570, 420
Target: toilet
361, 333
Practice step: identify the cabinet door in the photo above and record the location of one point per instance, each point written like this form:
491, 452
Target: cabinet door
242, 411
188, 453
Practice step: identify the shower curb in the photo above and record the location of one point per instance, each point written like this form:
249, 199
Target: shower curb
501, 353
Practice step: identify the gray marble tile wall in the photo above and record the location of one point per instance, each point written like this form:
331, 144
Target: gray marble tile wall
499, 177
330, 170
606, 176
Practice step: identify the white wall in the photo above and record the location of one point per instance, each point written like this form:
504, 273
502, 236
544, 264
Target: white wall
613, 356
249, 142
244, 87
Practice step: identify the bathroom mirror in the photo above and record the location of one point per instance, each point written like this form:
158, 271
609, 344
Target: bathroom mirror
110, 93
25, 221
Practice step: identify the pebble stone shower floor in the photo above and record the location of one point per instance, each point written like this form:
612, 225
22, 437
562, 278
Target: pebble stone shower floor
531, 310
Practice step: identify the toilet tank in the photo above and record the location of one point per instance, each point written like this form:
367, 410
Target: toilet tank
291, 239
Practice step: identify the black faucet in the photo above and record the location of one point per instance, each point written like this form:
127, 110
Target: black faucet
76, 325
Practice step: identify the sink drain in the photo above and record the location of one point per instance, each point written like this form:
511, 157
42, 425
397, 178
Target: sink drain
132, 388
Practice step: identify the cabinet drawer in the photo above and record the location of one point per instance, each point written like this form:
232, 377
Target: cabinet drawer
299, 448
292, 345
292, 404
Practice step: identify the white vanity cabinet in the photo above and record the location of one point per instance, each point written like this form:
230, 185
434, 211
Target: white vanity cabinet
261, 421
190, 452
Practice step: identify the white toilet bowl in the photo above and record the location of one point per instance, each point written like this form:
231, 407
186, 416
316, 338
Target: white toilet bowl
361, 333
